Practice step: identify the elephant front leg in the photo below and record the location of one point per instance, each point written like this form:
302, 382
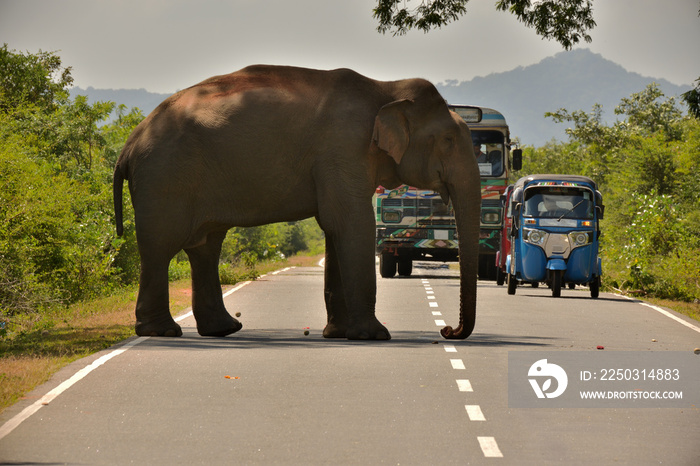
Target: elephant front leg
212, 318
351, 283
153, 317
336, 308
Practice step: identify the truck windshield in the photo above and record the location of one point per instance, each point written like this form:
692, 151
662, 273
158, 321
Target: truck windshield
488, 149
558, 202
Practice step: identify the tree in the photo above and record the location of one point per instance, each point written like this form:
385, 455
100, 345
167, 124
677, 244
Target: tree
32, 78
692, 100
34, 96
566, 21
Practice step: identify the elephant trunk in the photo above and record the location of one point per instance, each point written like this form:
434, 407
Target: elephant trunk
467, 218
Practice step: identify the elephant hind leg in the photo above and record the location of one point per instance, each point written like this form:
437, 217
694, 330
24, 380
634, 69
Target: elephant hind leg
207, 302
152, 307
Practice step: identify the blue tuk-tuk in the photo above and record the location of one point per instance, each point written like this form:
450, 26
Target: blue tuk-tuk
555, 233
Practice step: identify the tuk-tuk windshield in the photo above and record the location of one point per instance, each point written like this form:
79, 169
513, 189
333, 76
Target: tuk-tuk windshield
558, 202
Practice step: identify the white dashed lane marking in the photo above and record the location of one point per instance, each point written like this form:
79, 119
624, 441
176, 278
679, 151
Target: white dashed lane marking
488, 445
457, 364
474, 413
464, 385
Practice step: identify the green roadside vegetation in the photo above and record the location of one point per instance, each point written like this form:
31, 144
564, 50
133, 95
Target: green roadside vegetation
68, 284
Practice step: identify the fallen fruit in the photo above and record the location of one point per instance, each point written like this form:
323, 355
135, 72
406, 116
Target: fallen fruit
238, 314
654, 340
696, 351
600, 347
306, 332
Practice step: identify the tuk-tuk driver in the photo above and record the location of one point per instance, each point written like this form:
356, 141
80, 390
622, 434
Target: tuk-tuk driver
551, 207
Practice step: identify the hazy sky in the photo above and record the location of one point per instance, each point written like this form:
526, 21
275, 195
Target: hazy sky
166, 45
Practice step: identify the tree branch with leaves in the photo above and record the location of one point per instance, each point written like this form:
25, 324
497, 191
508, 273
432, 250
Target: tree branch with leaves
566, 21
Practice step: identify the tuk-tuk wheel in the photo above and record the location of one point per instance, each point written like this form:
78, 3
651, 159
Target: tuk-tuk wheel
595, 287
512, 283
556, 283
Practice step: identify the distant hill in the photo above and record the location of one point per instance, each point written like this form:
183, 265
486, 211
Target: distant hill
141, 98
574, 80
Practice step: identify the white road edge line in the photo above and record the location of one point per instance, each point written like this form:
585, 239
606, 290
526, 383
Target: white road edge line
10, 425
666, 313
489, 447
229, 292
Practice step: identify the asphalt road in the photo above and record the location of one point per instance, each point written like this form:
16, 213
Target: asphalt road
273, 395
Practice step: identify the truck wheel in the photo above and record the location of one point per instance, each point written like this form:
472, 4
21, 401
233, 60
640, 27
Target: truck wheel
556, 283
500, 276
405, 266
387, 265
595, 287
512, 283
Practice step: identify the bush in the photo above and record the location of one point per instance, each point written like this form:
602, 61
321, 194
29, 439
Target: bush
55, 239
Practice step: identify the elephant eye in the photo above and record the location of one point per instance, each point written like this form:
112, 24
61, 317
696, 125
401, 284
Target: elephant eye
448, 142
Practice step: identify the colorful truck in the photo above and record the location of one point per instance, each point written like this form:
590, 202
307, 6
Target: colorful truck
415, 224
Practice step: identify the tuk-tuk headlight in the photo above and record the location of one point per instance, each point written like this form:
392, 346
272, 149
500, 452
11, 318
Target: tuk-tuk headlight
537, 237
580, 238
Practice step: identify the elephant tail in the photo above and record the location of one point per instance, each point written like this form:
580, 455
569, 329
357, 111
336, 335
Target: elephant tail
117, 189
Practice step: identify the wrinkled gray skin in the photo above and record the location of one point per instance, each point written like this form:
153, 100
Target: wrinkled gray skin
270, 144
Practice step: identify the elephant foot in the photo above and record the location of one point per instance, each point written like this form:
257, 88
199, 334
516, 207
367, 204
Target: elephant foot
220, 326
370, 330
164, 327
334, 331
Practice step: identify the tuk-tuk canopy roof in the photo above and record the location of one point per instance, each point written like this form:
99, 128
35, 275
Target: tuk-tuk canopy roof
557, 180
525, 180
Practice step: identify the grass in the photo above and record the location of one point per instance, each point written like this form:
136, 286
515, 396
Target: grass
34, 349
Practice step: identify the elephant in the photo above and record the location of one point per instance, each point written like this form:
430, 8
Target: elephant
277, 143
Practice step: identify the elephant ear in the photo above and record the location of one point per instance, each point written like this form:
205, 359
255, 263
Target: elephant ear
391, 129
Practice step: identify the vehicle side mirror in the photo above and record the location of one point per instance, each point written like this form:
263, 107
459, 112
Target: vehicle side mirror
516, 219
601, 210
517, 159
